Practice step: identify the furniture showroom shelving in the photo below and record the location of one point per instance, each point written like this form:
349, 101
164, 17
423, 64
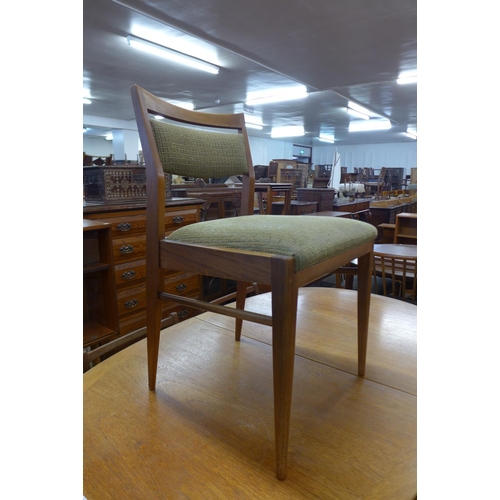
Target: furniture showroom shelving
405, 231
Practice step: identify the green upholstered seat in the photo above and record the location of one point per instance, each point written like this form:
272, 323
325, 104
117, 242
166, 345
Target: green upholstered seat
294, 236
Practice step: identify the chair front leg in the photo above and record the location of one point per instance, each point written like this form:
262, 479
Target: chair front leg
364, 294
284, 304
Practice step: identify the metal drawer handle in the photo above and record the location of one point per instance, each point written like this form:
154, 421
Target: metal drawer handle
178, 219
182, 314
124, 226
181, 287
127, 249
131, 303
128, 275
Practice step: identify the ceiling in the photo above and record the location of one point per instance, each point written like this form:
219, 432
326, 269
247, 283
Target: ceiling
341, 51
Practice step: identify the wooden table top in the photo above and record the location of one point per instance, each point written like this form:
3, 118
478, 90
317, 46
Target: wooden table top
396, 250
207, 431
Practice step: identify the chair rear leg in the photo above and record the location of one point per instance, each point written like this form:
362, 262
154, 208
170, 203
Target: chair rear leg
153, 323
241, 295
284, 304
364, 294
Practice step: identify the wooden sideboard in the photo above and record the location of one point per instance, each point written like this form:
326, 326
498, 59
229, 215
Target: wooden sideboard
359, 208
127, 226
324, 197
385, 213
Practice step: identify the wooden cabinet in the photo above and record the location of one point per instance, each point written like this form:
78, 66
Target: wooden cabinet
296, 207
405, 231
127, 227
282, 166
324, 197
100, 321
394, 177
384, 213
322, 174
359, 209
292, 176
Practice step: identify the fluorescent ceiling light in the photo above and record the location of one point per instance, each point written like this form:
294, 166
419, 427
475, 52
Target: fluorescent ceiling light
370, 125
326, 138
358, 114
402, 80
277, 95
411, 133
86, 101
293, 131
171, 55
253, 122
109, 137
357, 110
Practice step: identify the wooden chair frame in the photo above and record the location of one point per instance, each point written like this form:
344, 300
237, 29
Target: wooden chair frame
245, 267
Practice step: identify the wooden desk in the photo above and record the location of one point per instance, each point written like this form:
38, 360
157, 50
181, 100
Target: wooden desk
207, 430
271, 189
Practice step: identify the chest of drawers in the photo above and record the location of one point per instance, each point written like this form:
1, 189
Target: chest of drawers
128, 240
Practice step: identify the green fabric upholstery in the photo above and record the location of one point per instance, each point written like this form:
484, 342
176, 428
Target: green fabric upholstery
199, 153
292, 235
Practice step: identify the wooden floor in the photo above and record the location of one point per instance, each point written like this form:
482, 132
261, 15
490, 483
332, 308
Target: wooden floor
207, 430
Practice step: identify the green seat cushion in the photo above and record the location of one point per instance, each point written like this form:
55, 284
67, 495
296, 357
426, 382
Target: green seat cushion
308, 239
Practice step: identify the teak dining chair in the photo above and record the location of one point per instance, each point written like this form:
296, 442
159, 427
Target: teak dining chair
285, 252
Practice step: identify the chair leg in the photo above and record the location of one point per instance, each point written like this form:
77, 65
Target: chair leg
241, 295
284, 304
364, 294
153, 323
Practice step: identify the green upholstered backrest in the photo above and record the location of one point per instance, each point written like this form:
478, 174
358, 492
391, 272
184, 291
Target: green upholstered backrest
199, 153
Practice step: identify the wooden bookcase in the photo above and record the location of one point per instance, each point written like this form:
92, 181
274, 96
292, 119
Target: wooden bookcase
100, 319
405, 231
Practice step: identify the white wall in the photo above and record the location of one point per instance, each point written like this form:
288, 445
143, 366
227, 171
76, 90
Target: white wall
400, 154
97, 147
265, 150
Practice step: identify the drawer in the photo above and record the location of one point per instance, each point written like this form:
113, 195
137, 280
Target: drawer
180, 218
128, 226
129, 249
136, 321
130, 273
185, 284
327, 197
183, 312
131, 300
302, 208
